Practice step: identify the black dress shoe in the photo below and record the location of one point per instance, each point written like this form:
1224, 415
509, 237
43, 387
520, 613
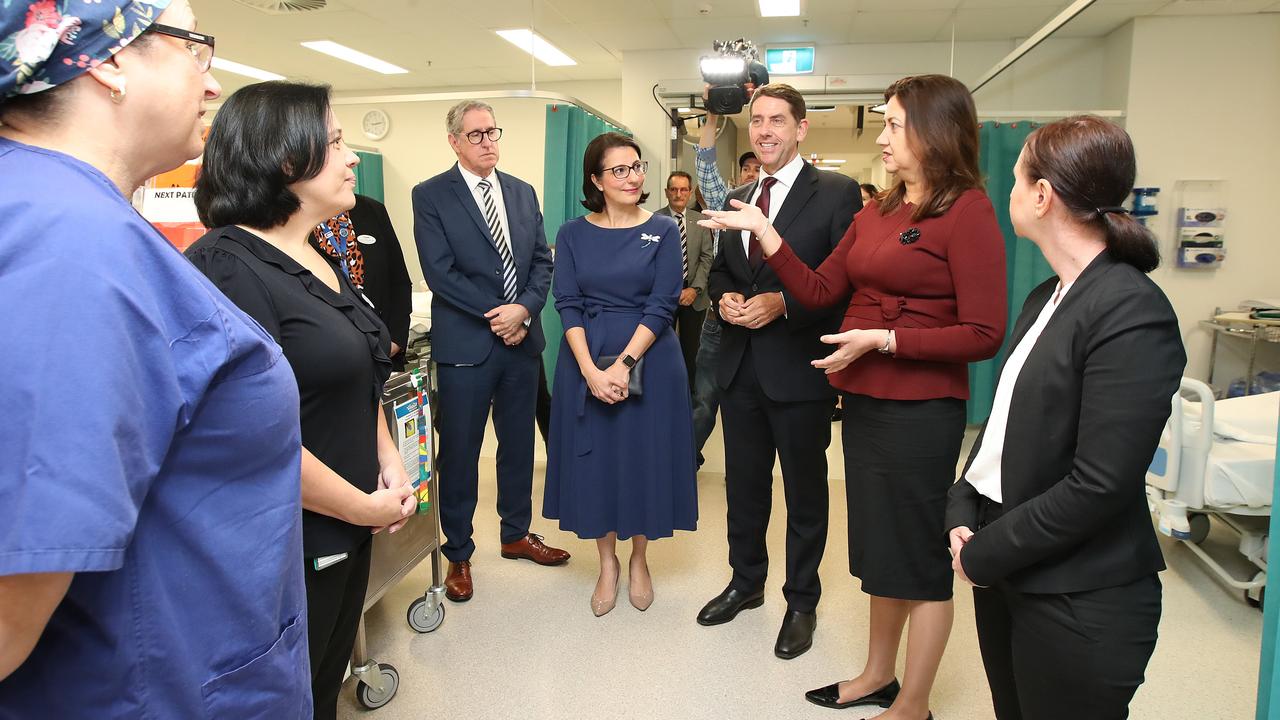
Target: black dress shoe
796, 635
829, 697
726, 606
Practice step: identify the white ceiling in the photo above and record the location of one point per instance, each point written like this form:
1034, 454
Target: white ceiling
451, 42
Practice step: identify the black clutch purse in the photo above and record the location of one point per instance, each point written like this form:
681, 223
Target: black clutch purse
635, 383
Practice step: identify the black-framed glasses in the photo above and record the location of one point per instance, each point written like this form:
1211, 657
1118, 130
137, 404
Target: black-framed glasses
475, 137
639, 167
198, 44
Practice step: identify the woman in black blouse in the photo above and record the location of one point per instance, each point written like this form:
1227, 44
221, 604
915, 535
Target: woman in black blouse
275, 166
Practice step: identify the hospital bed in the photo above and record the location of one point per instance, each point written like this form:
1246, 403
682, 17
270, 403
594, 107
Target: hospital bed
1216, 460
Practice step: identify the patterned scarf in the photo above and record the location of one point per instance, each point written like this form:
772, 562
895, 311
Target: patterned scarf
337, 238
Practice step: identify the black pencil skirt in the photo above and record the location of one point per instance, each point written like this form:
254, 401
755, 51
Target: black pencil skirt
900, 459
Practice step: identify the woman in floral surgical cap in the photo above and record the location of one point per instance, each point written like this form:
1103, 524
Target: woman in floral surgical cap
149, 475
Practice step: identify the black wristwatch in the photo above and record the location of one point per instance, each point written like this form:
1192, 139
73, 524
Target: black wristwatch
629, 361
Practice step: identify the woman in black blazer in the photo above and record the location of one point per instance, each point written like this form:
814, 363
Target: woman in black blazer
1049, 521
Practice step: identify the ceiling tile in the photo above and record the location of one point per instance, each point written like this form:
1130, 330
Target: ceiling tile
897, 26
997, 23
905, 6
635, 36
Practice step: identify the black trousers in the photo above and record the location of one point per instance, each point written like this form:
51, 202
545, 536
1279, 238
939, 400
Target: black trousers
755, 428
1067, 656
335, 601
689, 330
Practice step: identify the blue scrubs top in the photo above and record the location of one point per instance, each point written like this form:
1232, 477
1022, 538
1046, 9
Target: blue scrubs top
151, 446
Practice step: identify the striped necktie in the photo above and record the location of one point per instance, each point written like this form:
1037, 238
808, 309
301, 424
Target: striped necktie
500, 239
684, 248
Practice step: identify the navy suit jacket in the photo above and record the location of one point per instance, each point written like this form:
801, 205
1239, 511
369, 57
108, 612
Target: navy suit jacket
464, 270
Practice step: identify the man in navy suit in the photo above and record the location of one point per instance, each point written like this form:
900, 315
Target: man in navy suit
484, 255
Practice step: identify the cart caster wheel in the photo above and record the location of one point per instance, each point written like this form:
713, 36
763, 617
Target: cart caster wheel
1199, 523
372, 699
419, 619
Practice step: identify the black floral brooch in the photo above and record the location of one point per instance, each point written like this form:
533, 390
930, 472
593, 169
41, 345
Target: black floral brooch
909, 236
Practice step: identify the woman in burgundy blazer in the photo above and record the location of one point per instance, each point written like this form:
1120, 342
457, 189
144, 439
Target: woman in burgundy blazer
925, 261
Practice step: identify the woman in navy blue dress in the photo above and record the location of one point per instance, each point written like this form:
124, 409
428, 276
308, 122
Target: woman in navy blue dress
619, 465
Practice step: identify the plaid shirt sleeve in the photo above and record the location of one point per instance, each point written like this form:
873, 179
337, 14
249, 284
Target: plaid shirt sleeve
714, 190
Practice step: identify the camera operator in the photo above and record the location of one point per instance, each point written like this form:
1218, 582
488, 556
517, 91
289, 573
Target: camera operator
706, 394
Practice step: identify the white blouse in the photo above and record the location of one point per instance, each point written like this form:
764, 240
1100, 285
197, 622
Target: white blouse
984, 472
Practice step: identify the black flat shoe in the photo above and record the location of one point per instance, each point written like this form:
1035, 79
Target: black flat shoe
829, 697
726, 606
796, 635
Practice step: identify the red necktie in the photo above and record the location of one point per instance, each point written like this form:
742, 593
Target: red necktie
755, 253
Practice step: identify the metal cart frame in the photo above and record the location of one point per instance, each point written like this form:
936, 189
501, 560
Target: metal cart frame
393, 557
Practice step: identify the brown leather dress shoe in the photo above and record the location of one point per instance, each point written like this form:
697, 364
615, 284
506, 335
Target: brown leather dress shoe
531, 547
457, 585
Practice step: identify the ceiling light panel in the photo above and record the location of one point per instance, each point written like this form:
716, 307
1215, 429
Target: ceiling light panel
355, 57
779, 8
232, 66
536, 45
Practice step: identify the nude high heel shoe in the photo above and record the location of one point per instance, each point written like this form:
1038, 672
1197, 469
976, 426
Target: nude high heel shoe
601, 606
640, 601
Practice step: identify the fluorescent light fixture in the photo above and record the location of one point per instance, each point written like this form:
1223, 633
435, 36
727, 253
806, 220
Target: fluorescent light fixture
880, 109
820, 108
684, 110
537, 46
779, 8
232, 66
832, 161
832, 168
355, 57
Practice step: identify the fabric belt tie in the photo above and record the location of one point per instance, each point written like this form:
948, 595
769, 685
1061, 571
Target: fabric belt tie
890, 305
594, 328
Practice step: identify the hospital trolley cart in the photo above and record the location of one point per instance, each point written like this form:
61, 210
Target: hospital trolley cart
1239, 325
407, 400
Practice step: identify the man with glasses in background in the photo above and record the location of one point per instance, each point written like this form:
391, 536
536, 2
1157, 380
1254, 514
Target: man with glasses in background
485, 257
696, 256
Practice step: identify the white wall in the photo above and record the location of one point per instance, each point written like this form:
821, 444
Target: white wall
1203, 98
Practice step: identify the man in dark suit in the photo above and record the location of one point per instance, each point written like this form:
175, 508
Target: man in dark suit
774, 400
695, 248
386, 279
485, 258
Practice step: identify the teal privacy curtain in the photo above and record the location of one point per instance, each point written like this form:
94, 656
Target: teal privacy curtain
369, 175
1026, 268
1269, 671
569, 130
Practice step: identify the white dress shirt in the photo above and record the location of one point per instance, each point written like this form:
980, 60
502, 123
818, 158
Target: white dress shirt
495, 189
984, 472
777, 194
